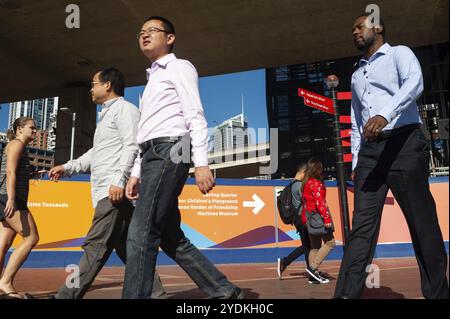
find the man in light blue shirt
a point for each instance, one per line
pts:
(389, 153)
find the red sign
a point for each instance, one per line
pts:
(346, 133)
(348, 157)
(345, 119)
(344, 95)
(316, 101)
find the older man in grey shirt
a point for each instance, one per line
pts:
(109, 161)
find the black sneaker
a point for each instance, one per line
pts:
(324, 275)
(315, 274)
(313, 281)
(281, 267)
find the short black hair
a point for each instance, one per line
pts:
(168, 26)
(301, 167)
(383, 33)
(113, 75)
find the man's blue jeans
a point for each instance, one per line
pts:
(156, 223)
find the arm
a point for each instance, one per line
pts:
(80, 165)
(127, 120)
(132, 188)
(411, 83)
(319, 195)
(186, 86)
(15, 149)
(355, 135)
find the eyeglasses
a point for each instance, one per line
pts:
(149, 32)
(93, 83)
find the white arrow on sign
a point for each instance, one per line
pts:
(257, 204)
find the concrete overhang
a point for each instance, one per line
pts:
(40, 56)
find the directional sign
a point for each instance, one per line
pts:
(316, 101)
(257, 203)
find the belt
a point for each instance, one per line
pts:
(389, 133)
(159, 140)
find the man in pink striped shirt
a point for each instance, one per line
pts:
(172, 123)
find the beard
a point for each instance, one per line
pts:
(365, 44)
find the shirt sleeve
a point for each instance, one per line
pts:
(319, 196)
(127, 119)
(411, 83)
(80, 165)
(136, 171)
(186, 85)
(357, 125)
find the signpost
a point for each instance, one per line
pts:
(316, 101)
(329, 106)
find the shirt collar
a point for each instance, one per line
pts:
(381, 51)
(160, 63)
(106, 105)
(110, 102)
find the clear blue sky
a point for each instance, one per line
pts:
(221, 98)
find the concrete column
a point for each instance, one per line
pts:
(78, 99)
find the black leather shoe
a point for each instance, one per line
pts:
(340, 297)
(238, 293)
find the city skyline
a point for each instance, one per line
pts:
(221, 97)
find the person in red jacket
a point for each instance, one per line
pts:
(314, 200)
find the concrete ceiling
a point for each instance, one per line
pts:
(39, 56)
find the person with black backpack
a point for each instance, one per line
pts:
(289, 205)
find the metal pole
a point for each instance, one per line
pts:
(74, 116)
(333, 82)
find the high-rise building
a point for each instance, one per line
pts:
(43, 111)
(40, 140)
(304, 132)
(3, 137)
(231, 134)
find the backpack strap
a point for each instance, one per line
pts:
(296, 203)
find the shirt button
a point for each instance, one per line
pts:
(370, 107)
(369, 92)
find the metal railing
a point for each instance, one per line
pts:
(439, 171)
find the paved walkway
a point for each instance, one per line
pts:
(399, 278)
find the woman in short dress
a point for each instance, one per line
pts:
(15, 218)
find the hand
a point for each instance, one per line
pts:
(56, 172)
(10, 208)
(373, 127)
(352, 176)
(115, 194)
(204, 179)
(132, 188)
(38, 174)
(328, 225)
